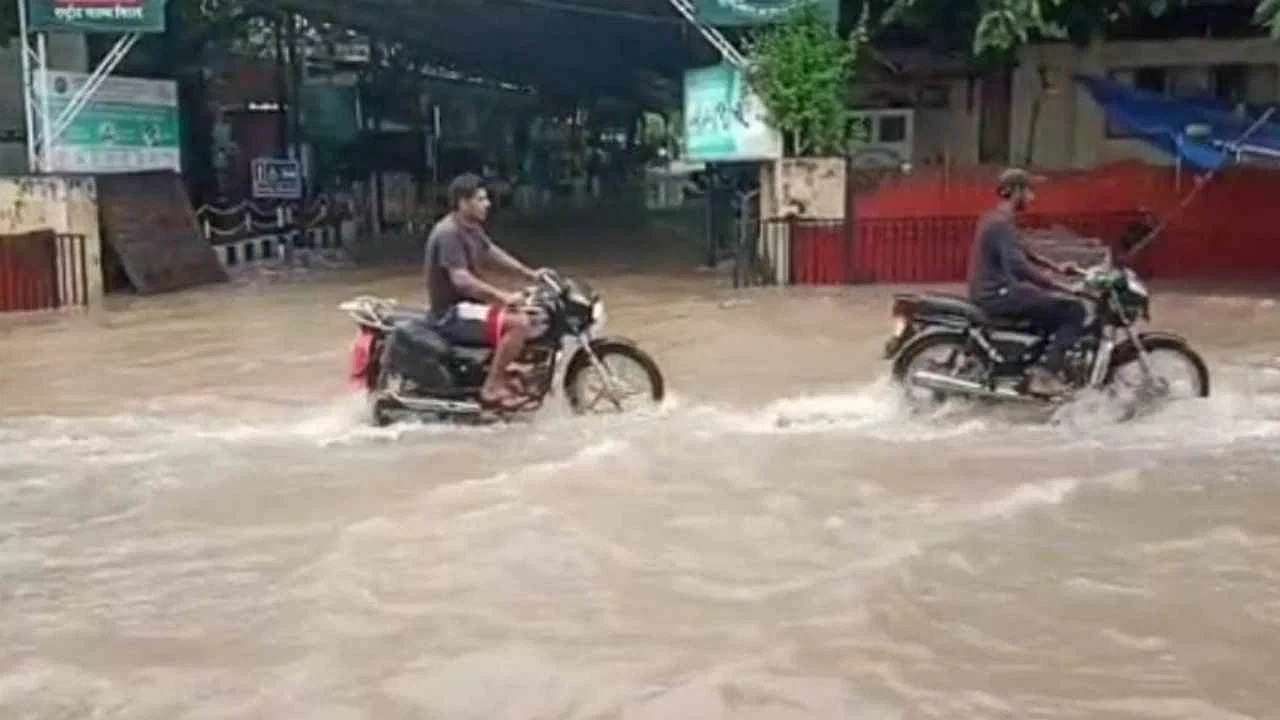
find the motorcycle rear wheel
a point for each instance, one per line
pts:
(916, 357)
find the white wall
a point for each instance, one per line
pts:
(66, 52)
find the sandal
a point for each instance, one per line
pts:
(503, 404)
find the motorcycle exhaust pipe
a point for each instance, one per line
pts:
(433, 405)
(956, 386)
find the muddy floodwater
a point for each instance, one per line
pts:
(196, 524)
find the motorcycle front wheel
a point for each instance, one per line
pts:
(624, 375)
(1164, 355)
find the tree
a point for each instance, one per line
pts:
(998, 27)
(802, 70)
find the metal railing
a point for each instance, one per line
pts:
(43, 271)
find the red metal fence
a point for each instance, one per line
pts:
(41, 271)
(919, 250)
(919, 228)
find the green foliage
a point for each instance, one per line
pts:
(994, 28)
(660, 133)
(1267, 14)
(803, 70)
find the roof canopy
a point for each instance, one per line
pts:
(581, 47)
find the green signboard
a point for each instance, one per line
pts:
(724, 121)
(757, 12)
(100, 16)
(128, 125)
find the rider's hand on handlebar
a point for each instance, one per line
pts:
(512, 300)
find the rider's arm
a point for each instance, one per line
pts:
(474, 287)
(503, 260)
(1041, 260)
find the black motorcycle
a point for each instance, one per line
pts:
(408, 369)
(946, 346)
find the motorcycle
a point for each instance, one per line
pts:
(946, 346)
(407, 369)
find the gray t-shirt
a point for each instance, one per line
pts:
(997, 262)
(451, 245)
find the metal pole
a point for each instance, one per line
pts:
(435, 147)
(96, 79)
(46, 142)
(1201, 183)
(26, 86)
(712, 35)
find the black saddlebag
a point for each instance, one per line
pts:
(418, 353)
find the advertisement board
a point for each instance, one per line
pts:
(128, 125)
(724, 121)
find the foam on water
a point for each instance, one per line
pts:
(1244, 407)
(129, 437)
(1239, 409)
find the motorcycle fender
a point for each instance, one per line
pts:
(363, 365)
(896, 342)
(580, 353)
(1127, 351)
(918, 338)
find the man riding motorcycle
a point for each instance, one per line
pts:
(465, 309)
(1004, 282)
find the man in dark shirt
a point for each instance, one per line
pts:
(1004, 282)
(465, 309)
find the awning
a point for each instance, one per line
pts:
(584, 47)
(1204, 133)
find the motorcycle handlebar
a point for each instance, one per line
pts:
(550, 278)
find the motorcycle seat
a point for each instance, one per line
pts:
(403, 315)
(414, 329)
(948, 304)
(416, 332)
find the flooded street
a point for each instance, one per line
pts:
(195, 524)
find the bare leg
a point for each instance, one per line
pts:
(508, 349)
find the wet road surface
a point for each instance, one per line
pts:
(195, 524)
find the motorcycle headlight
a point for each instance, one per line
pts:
(598, 315)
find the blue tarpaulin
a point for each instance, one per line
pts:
(1163, 123)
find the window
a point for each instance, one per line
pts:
(1230, 83)
(893, 129)
(1151, 79)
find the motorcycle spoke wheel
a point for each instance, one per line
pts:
(945, 358)
(627, 386)
(1174, 376)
